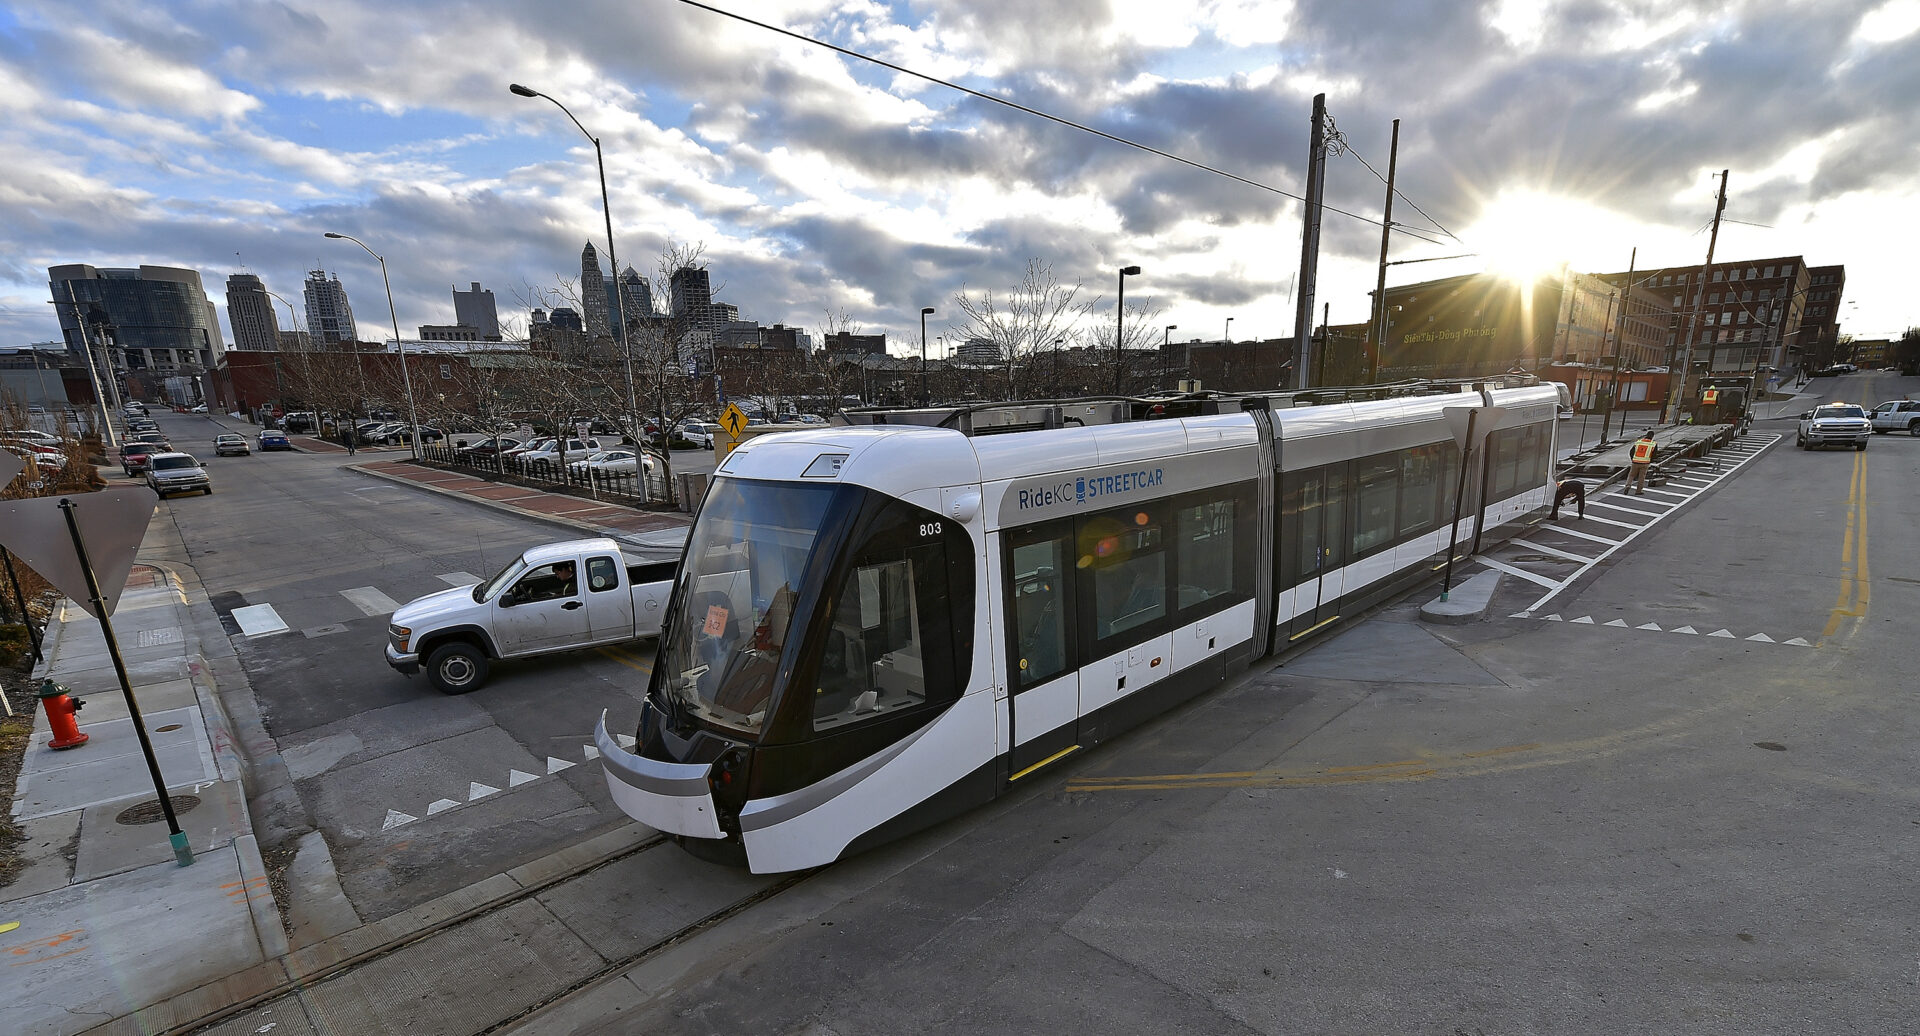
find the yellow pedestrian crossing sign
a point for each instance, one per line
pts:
(733, 420)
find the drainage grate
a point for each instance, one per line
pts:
(149, 812)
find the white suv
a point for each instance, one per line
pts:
(1895, 415)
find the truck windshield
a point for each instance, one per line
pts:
(744, 567)
(485, 591)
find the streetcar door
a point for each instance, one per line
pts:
(1043, 671)
(1322, 516)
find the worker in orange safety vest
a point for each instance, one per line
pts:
(1642, 460)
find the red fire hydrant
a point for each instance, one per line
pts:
(61, 705)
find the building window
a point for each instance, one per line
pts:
(1676, 302)
(1743, 317)
(446, 371)
(1769, 271)
(1786, 269)
(1746, 296)
(1719, 275)
(1751, 272)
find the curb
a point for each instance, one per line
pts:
(291, 970)
(1466, 603)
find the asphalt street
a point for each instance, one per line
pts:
(492, 779)
(1525, 825)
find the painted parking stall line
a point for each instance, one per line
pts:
(1543, 557)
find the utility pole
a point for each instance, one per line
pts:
(1619, 340)
(1378, 329)
(1310, 245)
(1678, 393)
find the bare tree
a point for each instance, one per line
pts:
(1037, 314)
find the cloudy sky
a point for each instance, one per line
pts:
(228, 135)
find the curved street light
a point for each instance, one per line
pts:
(619, 282)
(413, 420)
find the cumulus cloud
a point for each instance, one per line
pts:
(180, 134)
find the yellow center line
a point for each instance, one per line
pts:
(624, 659)
(1856, 589)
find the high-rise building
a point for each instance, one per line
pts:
(153, 318)
(475, 309)
(329, 317)
(593, 294)
(690, 299)
(250, 314)
(639, 295)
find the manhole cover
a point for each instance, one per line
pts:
(149, 812)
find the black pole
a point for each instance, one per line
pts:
(182, 852)
(1459, 492)
(26, 619)
(1377, 328)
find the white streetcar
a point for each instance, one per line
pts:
(880, 624)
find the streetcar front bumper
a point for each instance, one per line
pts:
(671, 797)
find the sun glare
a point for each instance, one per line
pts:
(1527, 235)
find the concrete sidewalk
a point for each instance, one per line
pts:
(108, 922)
(649, 532)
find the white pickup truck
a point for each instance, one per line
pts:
(555, 597)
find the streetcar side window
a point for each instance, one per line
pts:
(1125, 552)
(1419, 489)
(1378, 480)
(1213, 541)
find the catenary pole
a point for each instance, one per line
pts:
(1677, 392)
(1310, 246)
(1379, 324)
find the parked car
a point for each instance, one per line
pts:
(386, 433)
(1896, 415)
(44, 457)
(142, 425)
(699, 433)
(228, 443)
(530, 446)
(300, 422)
(486, 449)
(197, 408)
(620, 460)
(273, 440)
(534, 606)
(169, 473)
(135, 454)
(1830, 424)
(428, 433)
(550, 455)
(33, 435)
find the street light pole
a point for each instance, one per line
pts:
(1119, 328)
(1166, 337)
(406, 379)
(619, 283)
(925, 399)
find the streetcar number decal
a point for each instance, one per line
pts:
(929, 528)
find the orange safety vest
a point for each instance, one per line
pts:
(1643, 451)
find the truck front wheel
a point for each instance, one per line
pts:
(457, 667)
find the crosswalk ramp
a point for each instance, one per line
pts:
(1553, 555)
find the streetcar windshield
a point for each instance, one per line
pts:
(745, 562)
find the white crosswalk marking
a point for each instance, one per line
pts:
(459, 578)
(476, 790)
(440, 806)
(556, 765)
(516, 778)
(370, 600)
(258, 620)
(395, 818)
